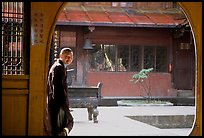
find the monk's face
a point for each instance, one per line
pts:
(67, 57)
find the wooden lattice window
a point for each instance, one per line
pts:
(161, 59)
(123, 58)
(135, 58)
(14, 40)
(149, 55)
(128, 58)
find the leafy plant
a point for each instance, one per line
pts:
(142, 78)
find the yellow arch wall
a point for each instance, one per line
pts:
(193, 11)
(38, 67)
(39, 56)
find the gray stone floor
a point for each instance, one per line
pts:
(112, 121)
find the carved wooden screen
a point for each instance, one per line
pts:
(13, 39)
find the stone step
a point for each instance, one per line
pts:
(185, 93)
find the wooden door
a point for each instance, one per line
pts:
(183, 68)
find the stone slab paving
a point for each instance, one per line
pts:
(112, 121)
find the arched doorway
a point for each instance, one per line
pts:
(31, 97)
(195, 67)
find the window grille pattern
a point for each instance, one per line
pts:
(161, 58)
(123, 58)
(148, 57)
(109, 57)
(103, 58)
(135, 62)
(129, 58)
(12, 38)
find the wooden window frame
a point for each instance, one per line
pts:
(11, 17)
(141, 59)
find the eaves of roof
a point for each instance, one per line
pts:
(124, 17)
